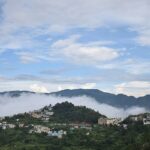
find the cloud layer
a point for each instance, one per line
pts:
(25, 103)
(80, 13)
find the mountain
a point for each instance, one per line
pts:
(15, 93)
(119, 100)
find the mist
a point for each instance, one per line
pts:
(29, 102)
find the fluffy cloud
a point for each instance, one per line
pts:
(89, 86)
(39, 89)
(83, 53)
(137, 88)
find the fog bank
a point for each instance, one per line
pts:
(25, 103)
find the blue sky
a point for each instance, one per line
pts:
(53, 45)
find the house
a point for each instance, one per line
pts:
(36, 115)
(109, 121)
(21, 125)
(136, 118)
(39, 129)
(85, 126)
(45, 118)
(17, 120)
(125, 126)
(102, 121)
(49, 113)
(11, 126)
(146, 120)
(113, 121)
(1, 118)
(4, 125)
(58, 134)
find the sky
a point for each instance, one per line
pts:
(51, 45)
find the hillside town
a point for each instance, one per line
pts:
(46, 113)
(43, 114)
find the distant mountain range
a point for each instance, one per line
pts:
(119, 100)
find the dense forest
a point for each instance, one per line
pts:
(67, 112)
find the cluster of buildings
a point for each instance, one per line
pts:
(5, 125)
(43, 129)
(2, 118)
(39, 129)
(43, 114)
(59, 134)
(145, 118)
(80, 126)
(136, 118)
(109, 121)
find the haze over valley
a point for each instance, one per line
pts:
(15, 102)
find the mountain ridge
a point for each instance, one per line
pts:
(119, 100)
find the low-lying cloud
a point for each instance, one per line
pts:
(25, 103)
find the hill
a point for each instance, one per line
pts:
(67, 112)
(62, 113)
(134, 137)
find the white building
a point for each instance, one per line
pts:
(146, 121)
(11, 126)
(4, 125)
(58, 134)
(109, 121)
(39, 129)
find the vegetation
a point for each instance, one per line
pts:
(67, 112)
(135, 137)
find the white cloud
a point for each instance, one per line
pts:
(38, 88)
(47, 16)
(26, 103)
(132, 66)
(31, 102)
(43, 85)
(144, 37)
(137, 88)
(27, 57)
(79, 13)
(89, 86)
(83, 53)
